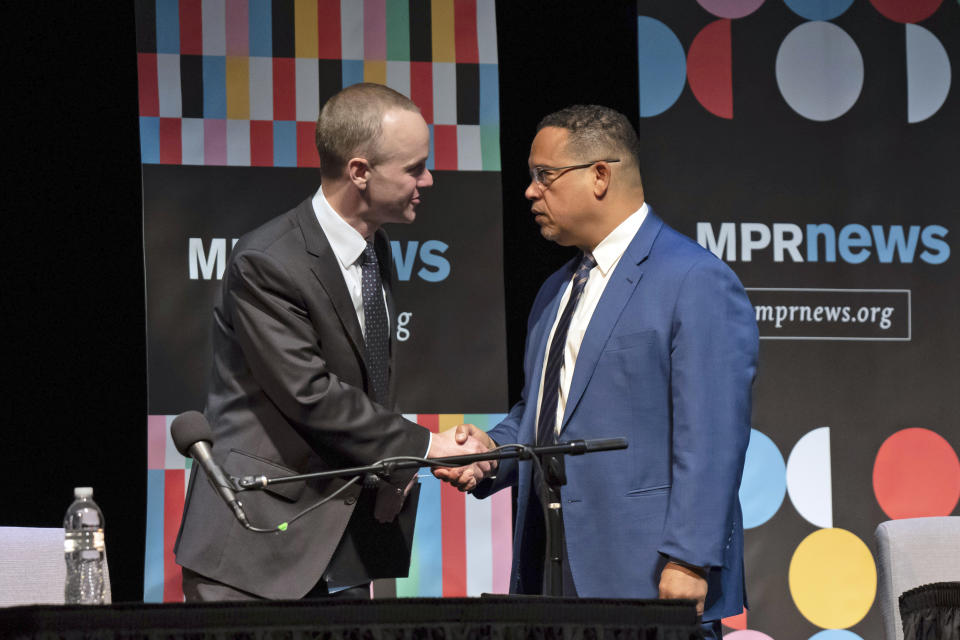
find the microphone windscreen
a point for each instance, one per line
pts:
(189, 428)
(606, 444)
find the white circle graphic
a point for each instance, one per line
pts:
(809, 481)
(928, 74)
(819, 71)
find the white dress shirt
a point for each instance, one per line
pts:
(348, 245)
(607, 254)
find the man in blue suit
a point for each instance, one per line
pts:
(644, 334)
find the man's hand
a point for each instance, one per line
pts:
(467, 439)
(678, 581)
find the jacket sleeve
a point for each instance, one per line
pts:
(284, 353)
(713, 361)
(504, 433)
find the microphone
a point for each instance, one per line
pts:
(579, 447)
(192, 436)
(601, 444)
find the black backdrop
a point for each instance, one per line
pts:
(74, 402)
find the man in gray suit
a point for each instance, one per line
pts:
(302, 355)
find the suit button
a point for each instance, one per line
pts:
(349, 501)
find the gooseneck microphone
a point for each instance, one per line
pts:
(192, 436)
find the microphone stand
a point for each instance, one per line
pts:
(383, 469)
(549, 459)
(552, 476)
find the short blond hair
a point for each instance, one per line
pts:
(350, 124)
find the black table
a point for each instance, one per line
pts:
(487, 618)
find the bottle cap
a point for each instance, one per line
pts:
(83, 492)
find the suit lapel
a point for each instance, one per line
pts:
(382, 246)
(327, 270)
(623, 281)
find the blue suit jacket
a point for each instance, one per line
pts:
(667, 361)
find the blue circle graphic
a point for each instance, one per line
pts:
(835, 634)
(764, 480)
(663, 66)
(818, 9)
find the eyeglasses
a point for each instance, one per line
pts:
(543, 176)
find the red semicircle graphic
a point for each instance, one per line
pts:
(710, 69)
(738, 622)
(906, 11)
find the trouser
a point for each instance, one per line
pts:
(536, 539)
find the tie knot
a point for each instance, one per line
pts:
(586, 264)
(369, 254)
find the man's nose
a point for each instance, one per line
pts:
(532, 192)
(426, 180)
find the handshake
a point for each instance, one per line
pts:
(463, 440)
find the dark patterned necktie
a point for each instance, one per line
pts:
(547, 422)
(376, 332)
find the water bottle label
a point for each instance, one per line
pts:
(83, 540)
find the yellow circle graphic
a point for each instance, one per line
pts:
(833, 579)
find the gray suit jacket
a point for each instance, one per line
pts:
(288, 393)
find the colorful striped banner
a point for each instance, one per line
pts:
(167, 476)
(256, 60)
(240, 83)
(461, 545)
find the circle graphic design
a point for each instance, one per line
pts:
(809, 481)
(819, 71)
(662, 66)
(818, 9)
(835, 634)
(764, 480)
(738, 621)
(906, 10)
(916, 474)
(747, 634)
(832, 578)
(928, 74)
(730, 9)
(710, 69)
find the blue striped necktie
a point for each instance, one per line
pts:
(376, 335)
(546, 423)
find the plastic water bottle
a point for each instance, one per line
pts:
(84, 551)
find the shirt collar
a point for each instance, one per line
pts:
(611, 248)
(347, 243)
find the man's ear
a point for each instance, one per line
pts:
(601, 179)
(359, 171)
